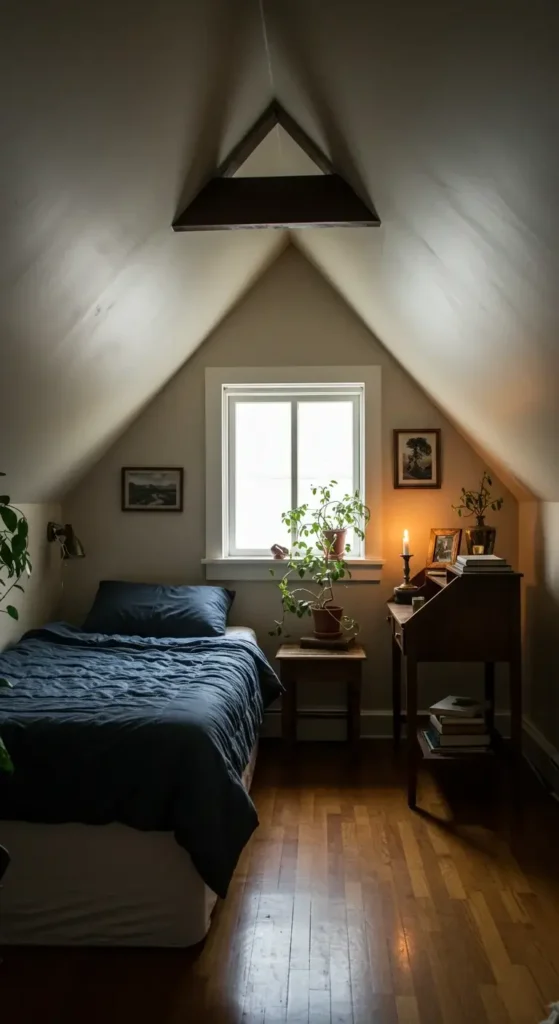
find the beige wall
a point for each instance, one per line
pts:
(539, 561)
(290, 317)
(42, 594)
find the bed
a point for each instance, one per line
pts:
(129, 805)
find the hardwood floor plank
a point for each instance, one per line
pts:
(413, 860)
(495, 1010)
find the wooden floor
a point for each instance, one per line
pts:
(346, 907)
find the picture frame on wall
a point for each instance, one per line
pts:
(417, 458)
(152, 489)
(444, 547)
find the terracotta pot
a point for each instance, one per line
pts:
(481, 536)
(327, 620)
(335, 543)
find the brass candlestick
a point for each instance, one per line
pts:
(405, 591)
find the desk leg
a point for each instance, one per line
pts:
(289, 704)
(354, 709)
(411, 719)
(515, 677)
(490, 696)
(396, 692)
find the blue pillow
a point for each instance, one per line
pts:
(148, 609)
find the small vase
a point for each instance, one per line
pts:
(481, 536)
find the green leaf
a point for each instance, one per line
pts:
(9, 516)
(6, 763)
(6, 556)
(12, 612)
(5, 682)
(4, 499)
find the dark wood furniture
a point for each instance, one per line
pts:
(299, 664)
(474, 618)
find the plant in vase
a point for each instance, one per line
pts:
(14, 562)
(319, 547)
(476, 503)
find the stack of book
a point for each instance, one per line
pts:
(456, 726)
(469, 564)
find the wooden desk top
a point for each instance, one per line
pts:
(401, 612)
(294, 652)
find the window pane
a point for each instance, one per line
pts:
(325, 450)
(262, 474)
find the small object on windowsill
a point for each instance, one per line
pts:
(279, 551)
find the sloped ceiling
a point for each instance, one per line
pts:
(113, 113)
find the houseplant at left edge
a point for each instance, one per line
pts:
(14, 562)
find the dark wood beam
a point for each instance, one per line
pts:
(282, 202)
(302, 140)
(241, 152)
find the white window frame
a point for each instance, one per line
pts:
(225, 383)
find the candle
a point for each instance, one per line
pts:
(406, 543)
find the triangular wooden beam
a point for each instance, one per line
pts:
(296, 201)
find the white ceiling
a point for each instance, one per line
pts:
(113, 113)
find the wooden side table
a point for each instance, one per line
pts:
(298, 664)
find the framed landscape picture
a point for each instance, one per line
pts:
(444, 547)
(417, 458)
(152, 489)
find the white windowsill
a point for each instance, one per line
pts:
(363, 570)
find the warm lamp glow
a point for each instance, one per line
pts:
(406, 543)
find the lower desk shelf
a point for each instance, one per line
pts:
(451, 755)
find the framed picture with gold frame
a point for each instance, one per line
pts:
(444, 547)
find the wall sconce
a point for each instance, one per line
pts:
(70, 545)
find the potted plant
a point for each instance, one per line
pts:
(319, 544)
(14, 561)
(476, 503)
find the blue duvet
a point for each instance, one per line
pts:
(151, 733)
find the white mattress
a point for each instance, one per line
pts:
(95, 885)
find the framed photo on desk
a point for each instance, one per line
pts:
(444, 547)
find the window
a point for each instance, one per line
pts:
(279, 441)
(271, 434)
